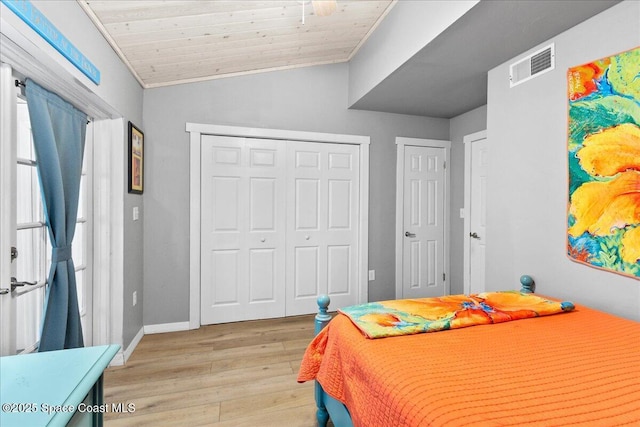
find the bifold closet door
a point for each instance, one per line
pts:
(322, 225)
(243, 229)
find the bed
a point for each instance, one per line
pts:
(581, 367)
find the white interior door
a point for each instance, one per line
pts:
(478, 216)
(424, 223)
(323, 228)
(243, 229)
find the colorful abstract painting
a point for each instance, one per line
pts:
(604, 163)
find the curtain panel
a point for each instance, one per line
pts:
(59, 131)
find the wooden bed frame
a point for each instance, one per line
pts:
(328, 407)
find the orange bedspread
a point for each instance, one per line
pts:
(578, 368)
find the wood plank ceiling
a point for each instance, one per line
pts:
(172, 42)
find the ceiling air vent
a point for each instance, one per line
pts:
(532, 66)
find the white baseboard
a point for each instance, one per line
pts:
(118, 359)
(134, 343)
(166, 327)
(122, 356)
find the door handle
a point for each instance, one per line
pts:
(15, 284)
(408, 234)
(474, 235)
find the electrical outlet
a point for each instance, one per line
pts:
(372, 275)
(135, 298)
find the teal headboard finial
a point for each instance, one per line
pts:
(323, 317)
(528, 285)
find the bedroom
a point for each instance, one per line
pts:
(526, 194)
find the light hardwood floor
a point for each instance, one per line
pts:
(236, 374)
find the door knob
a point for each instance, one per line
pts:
(15, 284)
(408, 234)
(474, 235)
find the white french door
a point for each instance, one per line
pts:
(8, 299)
(25, 248)
(423, 248)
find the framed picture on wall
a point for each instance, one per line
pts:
(136, 159)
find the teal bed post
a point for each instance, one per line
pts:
(322, 319)
(528, 285)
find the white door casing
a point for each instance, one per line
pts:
(422, 226)
(243, 226)
(198, 131)
(475, 235)
(323, 227)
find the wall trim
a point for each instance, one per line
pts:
(133, 344)
(467, 140)
(123, 355)
(401, 143)
(197, 130)
(265, 133)
(161, 328)
(108, 205)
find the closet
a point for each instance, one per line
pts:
(280, 223)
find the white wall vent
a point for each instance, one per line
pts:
(532, 66)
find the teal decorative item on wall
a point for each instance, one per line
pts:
(604, 163)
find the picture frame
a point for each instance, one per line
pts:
(136, 160)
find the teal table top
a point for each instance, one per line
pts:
(45, 389)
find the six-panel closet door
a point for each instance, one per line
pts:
(279, 223)
(322, 225)
(243, 229)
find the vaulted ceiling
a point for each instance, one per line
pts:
(177, 41)
(170, 42)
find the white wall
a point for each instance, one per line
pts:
(409, 26)
(527, 183)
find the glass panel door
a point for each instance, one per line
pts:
(22, 307)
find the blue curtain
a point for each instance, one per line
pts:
(58, 131)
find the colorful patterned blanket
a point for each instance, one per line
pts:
(414, 316)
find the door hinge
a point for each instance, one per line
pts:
(444, 277)
(445, 164)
